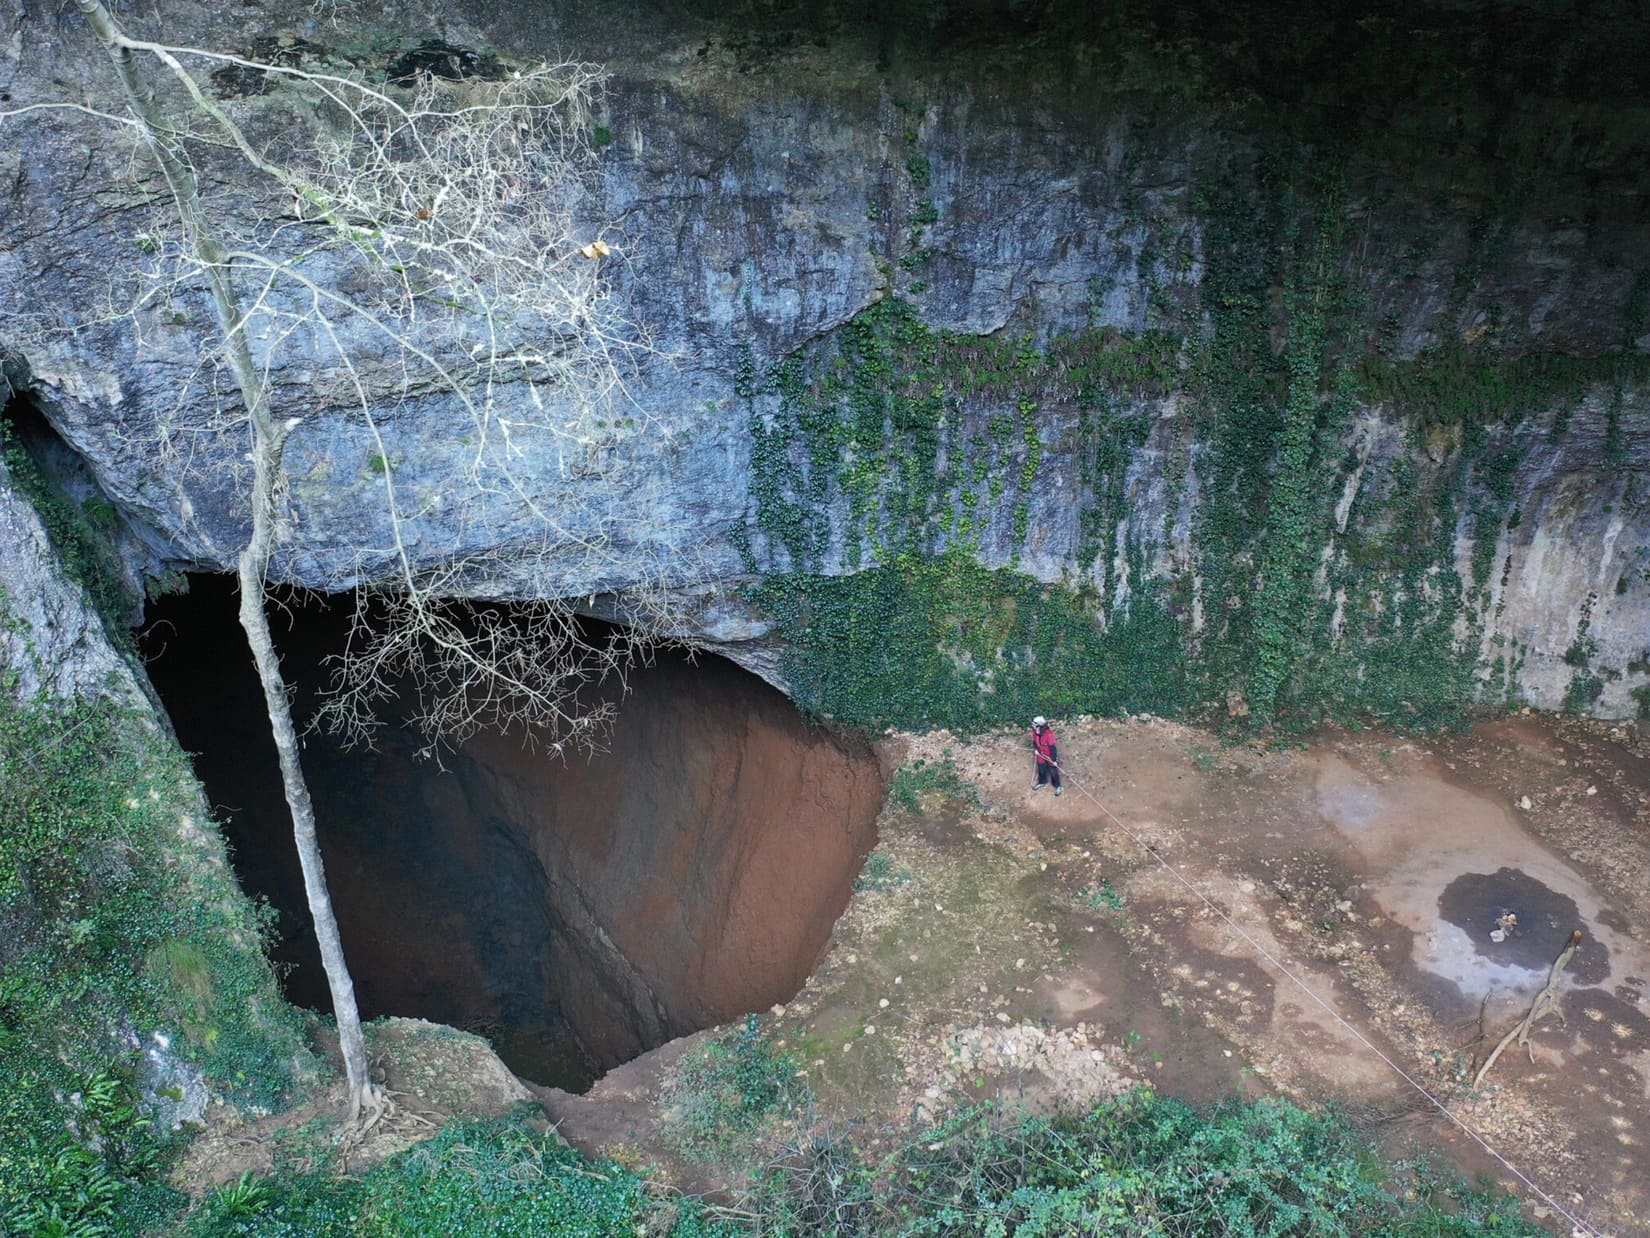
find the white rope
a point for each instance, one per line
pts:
(1582, 1227)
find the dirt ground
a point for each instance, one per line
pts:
(430, 1073)
(1033, 949)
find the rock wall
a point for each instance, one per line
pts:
(52, 642)
(1444, 233)
(104, 837)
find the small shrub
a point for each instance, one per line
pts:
(916, 778)
(1582, 693)
(1100, 897)
(880, 874)
(246, 1196)
(820, 1185)
(725, 1089)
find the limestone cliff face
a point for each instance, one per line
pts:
(1463, 274)
(52, 642)
(56, 656)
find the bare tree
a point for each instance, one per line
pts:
(440, 221)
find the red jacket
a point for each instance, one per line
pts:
(1043, 740)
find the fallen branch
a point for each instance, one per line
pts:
(1482, 1035)
(1545, 1001)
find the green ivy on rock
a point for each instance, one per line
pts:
(918, 435)
(1324, 576)
(944, 641)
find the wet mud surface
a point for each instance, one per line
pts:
(1515, 921)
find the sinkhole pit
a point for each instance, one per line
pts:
(577, 913)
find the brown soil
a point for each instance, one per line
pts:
(697, 866)
(431, 1075)
(1031, 950)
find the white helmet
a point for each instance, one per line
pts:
(1039, 720)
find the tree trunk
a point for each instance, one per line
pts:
(255, 623)
(268, 440)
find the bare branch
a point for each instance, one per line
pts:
(403, 251)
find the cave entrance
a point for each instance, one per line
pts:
(576, 913)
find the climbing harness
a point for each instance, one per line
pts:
(1583, 1229)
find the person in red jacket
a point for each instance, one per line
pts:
(1048, 754)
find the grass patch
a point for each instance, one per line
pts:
(880, 874)
(497, 1177)
(1141, 1165)
(115, 935)
(918, 778)
(726, 1089)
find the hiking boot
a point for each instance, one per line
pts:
(1059, 790)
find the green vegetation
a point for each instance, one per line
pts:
(1100, 897)
(880, 874)
(946, 642)
(494, 1178)
(918, 431)
(1309, 616)
(1295, 502)
(82, 536)
(919, 434)
(891, 460)
(1150, 1165)
(728, 1087)
(1144, 1164)
(113, 929)
(89, 1176)
(1141, 1165)
(1458, 385)
(915, 779)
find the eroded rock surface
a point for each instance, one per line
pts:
(765, 191)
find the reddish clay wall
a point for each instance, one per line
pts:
(714, 845)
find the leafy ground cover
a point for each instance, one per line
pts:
(1143, 1165)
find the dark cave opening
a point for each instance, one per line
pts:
(576, 913)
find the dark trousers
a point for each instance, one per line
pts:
(1047, 770)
